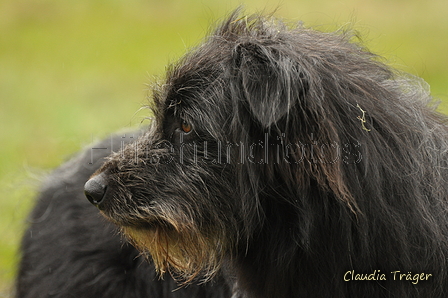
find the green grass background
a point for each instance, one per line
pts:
(73, 71)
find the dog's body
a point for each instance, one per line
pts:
(288, 160)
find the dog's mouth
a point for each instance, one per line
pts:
(147, 224)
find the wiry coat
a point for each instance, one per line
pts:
(295, 162)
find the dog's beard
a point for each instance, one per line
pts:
(180, 249)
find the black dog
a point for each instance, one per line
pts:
(291, 162)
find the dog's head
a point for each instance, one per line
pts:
(258, 127)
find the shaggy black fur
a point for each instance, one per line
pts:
(289, 160)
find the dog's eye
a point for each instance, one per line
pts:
(186, 127)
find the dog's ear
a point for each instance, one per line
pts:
(268, 81)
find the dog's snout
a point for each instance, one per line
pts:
(95, 189)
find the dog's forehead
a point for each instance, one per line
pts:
(203, 74)
(196, 82)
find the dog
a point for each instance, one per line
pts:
(281, 162)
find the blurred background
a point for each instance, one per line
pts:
(74, 71)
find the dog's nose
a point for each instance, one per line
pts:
(95, 188)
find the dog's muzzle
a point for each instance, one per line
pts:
(95, 189)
